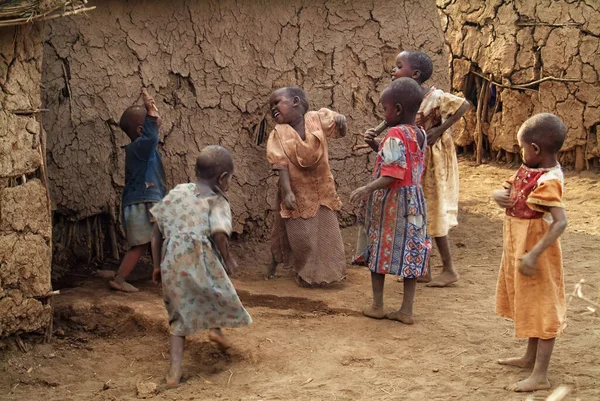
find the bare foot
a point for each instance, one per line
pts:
(444, 279)
(217, 337)
(122, 286)
(531, 384)
(173, 376)
(374, 312)
(400, 317)
(518, 362)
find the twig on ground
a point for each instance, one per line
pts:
(230, 376)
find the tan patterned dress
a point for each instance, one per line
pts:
(440, 180)
(308, 238)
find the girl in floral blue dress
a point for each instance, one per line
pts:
(396, 217)
(191, 256)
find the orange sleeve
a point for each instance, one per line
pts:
(327, 118)
(275, 154)
(548, 194)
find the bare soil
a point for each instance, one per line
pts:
(314, 344)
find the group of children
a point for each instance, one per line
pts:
(413, 198)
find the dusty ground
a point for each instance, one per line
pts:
(314, 344)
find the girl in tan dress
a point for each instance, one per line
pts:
(306, 234)
(530, 288)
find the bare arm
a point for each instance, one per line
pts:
(558, 226)
(435, 133)
(289, 199)
(156, 245)
(222, 241)
(360, 193)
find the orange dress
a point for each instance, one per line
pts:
(536, 304)
(308, 238)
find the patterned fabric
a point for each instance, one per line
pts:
(137, 222)
(312, 247)
(395, 221)
(307, 162)
(197, 292)
(536, 304)
(440, 180)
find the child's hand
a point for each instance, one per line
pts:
(433, 134)
(149, 103)
(359, 194)
(340, 123)
(527, 265)
(502, 198)
(231, 266)
(289, 201)
(156, 277)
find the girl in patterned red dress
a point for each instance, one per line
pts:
(396, 222)
(531, 290)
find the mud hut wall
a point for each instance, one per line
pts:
(519, 42)
(211, 66)
(25, 227)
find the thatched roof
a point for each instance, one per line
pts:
(17, 12)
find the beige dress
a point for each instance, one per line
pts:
(440, 180)
(308, 238)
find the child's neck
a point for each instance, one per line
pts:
(406, 121)
(206, 187)
(298, 125)
(548, 161)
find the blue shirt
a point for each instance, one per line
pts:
(144, 172)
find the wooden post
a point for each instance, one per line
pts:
(579, 158)
(112, 233)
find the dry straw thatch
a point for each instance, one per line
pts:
(19, 12)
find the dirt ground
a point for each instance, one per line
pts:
(314, 344)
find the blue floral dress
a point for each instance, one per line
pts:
(197, 292)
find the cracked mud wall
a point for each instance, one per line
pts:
(211, 66)
(25, 227)
(519, 42)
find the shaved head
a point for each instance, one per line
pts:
(132, 118)
(213, 161)
(405, 91)
(546, 130)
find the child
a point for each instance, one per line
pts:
(396, 218)
(530, 287)
(306, 233)
(438, 112)
(144, 184)
(191, 256)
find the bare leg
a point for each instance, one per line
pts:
(376, 310)
(525, 362)
(174, 375)
(448, 275)
(405, 314)
(272, 269)
(427, 277)
(539, 377)
(216, 336)
(128, 263)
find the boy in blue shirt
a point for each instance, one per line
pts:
(144, 184)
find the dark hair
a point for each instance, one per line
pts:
(546, 130)
(405, 91)
(213, 161)
(419, 60)
(293, 91)
(132, 118)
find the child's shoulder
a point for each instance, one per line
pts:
(555, 173)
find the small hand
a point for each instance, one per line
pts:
(149, 103)
(502, 198)
(156, 277)
(527, 265)
(289, 201)
(340, 123)
(433, 134)
(370, 136)
(359, 194)
(231, 266)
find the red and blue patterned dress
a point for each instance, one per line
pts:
(396, 217)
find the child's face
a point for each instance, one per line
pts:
(530, 152)
(284, 108)
(392, 113)
(403, 69)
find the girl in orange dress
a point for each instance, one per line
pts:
(530, 287)
(306, 234)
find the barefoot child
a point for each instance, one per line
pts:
(438, 112)
(144, 184)
(191, 256)
(530, 287)
(396, 219)
(306, 233)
